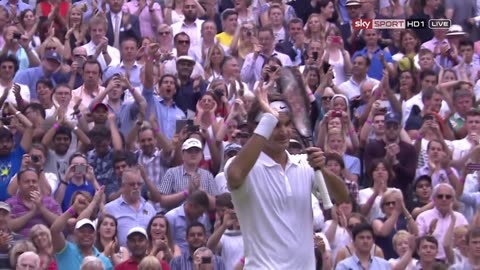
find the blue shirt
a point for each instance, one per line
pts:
(167, 115)
(353, 263)
(178, 225)
(71, 258)
(128, 217)
(30, 76)
(376, 67)
(72, 188)
(134, 73)
(22, 58)
(9, 166)
(21, 6)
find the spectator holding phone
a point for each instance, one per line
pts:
(336, 55)
(79, 176)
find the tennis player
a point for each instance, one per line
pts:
(271, 190)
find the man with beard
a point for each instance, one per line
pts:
(70, 255)
(401, 155)
(130, 210)
(190, 90)
(191, 24)
(11, 153)
(137, 244)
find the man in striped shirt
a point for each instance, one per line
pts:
(182, 180)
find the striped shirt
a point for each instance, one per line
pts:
(155, 166)
(20, 209)
(176, 180)
(185, 262)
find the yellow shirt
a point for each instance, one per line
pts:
(224, 39)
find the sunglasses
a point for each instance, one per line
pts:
(184, 42)
(327, 98)
(351, 226)
(50, 48)
(392, 203)
(163, 33)
(444, 196)
(79, 55)
(391, 126)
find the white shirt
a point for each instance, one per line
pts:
(376, 210)
(251, 71)
(194, 31)
(231, 248)
(417, 100)
(352, 89)
(112, 52)
(341, 239)
(461, 148)
(274, 206)
(24, 92)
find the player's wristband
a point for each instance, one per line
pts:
(266, 125)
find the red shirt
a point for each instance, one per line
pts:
(132, 264)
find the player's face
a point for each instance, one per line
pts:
(282, 133)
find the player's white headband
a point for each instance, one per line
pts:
(279, 106)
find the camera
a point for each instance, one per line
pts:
(17, 36)
(273, 68)
(206, 260)
(218, 92)
(35, 158)
(249, 33)
(337, 114)
(81, 168)
(193, 128)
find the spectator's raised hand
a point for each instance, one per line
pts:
(26, 161)
(432, 226)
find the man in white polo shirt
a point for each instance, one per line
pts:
(271, 191)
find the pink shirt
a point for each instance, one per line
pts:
(147, 26)
(424, 220)
(433, 43)
(86, 98)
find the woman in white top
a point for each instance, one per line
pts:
(313, 29)
(245, 11)
(336, 55)
(409, 47)
(336, 230)
(214, 59)
(381, 175)
(30, 24)
(402, 243)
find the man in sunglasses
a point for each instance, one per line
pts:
(439, 218)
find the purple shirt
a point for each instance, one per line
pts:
(20, 209)
(147, 25)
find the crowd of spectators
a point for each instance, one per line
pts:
(117, 119)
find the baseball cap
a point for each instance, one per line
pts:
(53, 55)
(192, 142)
(139, 230)
(296, 143)
(185, 58)
(84, 222)
(5, 206)
(232, 147)
(424, 177)
(99, 104)
(351, 3)
(392, 117)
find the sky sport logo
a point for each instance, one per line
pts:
(386, 24)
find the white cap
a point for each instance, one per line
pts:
(192, 142)
(185, 58)
(84, 222)
(137, 230)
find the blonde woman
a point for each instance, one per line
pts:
(18, 249)
(42, 240)
(337, 56)
(150, 263)
(213, 61)
(336, 142)
(313, 31)
(76, 31)
(244, 41)
(92, 263)
(404, 245)
(396, 218)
